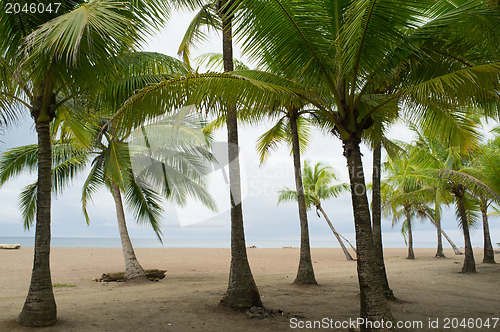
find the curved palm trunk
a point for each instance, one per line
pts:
(305, 273)
(133, 270)
(241, 291)
(411, 254)
(40, 306)
(373, 304)
(489, 255)
(377, 219)
(452, 244)
(469, 263)
(455, 248)
(344, 249)
(439, 251)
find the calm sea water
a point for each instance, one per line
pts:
(194, 243)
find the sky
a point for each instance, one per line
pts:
(266, 223)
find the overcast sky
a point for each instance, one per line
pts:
(265, 222)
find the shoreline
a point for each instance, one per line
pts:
(196, 279)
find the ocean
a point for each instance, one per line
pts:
(391, 240)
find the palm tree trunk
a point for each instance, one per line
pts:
(133, 270)
(377, 219)
(344, 249)
(242, 291)
(305, 273)
(439, 251)
(489, 255)
(411, 254)
(40, 306)
(469, 263)
(373, 304)
(434, 222)
(455, 248)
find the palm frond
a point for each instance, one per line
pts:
(27, 203)
(145, 203)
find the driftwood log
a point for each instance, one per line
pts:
(120, 276)
(10, 246)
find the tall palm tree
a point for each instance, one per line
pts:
(482, 180)
(292, 127)
(47, 59)
(441, 160)
(241, 291)
(180, 154)
(317, 187)
(172, 167)
(426, 212)
(340, 65)
(379, 141)
(405, 188)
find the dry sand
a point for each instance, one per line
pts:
(187, 298)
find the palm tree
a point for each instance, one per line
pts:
(182, 150)
(345, 59)
(481, 179)
(485, 169)
(47, 59)
(404, 188)
(441, 160)
(292, 127)
(425, 211)
(242, 292)
(340, 65)
(379, 141)
(317, 187)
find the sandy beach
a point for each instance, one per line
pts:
(187, 298)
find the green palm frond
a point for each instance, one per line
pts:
(145, 204)
(287, 195)
(17, 160)
(214, 62)
(472, 212)
(207, 18)
(270, 140)
(27, 203)
(135, 71)
(216, 124)
(94, 181)
(116, 160)
(249, 89)
(100, 28)
(317, 185)
(472, 184)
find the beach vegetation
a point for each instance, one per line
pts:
(343, 66)
(318, 187)
(63, 285)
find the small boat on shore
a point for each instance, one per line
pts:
(10, 246)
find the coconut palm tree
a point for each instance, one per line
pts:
(242, 292)
(482, 180)
(317, 187)
(292, 127)
(404, 192)
(127, 172)
(48, 58)
(441, 160)
(340, 65)
(425, 212)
